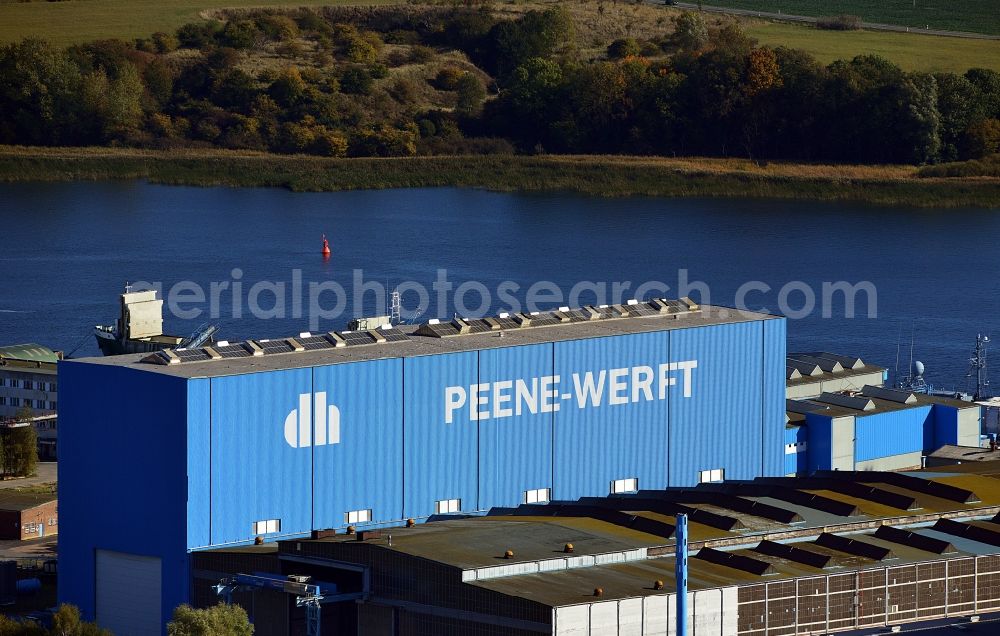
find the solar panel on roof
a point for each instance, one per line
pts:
(507, 323)
(275, 346)
(442, 329)
(394, 335)
(355, 338)
(315, 343)
(642, 309)
(191, 355)
(232, 351)
(578, 315)
(543, 319)
(478, 326)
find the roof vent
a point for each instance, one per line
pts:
(568, 548)
(598, 591)
(509, 554)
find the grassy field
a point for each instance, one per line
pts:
(978, 16)
(910, 51)
(75, 21)
(595, 175)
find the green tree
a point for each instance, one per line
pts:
(535, 34)
(38, 94)
(124, 115)
(10, 627)
(690, 32)
(20, 446)
(623, 47)
(289, 88)
(471, 94)
(219, 620)
(66, 621)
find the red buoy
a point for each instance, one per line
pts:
(326, 246)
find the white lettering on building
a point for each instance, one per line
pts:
(592, 389)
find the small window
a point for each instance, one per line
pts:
(3, 401)
(358, 516)
(619, 486)
(539, 495)
(710, 476)
(52, 387)
(267, 526)
(28, 385)
(53, 406)
(40, 404)
(448, 506)
(3, 381)
(15, 401)
(15, 383)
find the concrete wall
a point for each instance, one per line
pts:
(710, 613)
(831, 384)
(893, 462)
(968, 426)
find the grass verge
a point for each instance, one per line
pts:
(911, 51)
(592, 175)
(77, 21)
(978, 16)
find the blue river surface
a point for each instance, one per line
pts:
(67, 249)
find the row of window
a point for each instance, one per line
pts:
(28, 385)
(452, 506)
(41, 405)
(31, 528)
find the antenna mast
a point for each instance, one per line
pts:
(977, 366)
(395, 307)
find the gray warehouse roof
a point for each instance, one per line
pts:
(436, 338)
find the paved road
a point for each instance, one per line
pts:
(44, 548)
(874, 26)
(45, 474)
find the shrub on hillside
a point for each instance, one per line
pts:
(421, 54)
(624, 47)
(447, 78)
(356, 80)
(278, 27)
(197, 35)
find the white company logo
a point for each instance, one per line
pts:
(300, 428)
(508, 398)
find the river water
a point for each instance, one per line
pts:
(67, 249)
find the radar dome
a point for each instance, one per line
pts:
(918, 367)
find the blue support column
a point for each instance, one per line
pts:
(681, 573)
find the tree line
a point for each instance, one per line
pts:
(346, 87)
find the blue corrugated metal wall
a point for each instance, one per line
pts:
(615, 431)
(364, 470)
(819, 433)
(887, 434)
(256, 475)
(796, 462)
(515, 448)
(720, 425)
(199, 462)
(773, 387)
(439, 459)
(121, 476)
(943, 428)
